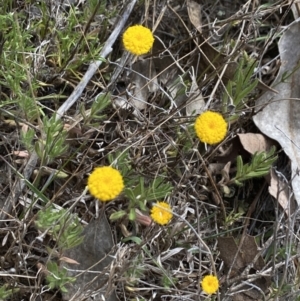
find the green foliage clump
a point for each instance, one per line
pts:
(259, 166)
(239, 87)
(6, 293)
(66, 230)
(136, 190)
(53, 144)
(57, 277)
(64, 227)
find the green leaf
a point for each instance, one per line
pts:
(159, 189)
(132, 214)
(246, 91)
(57, 277)
(239, 163)
(142, 206)
(241, 85)
(259, 166)
(100, 103)
(238, 183)
(128, 192)
(135, 239)
(117, 215)
(6, 292)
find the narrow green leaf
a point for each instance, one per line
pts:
(135, 239)
(117, 215)
(132, 214)
(238, 183)
(242, 94)
(239, 164)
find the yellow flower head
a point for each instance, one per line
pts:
(105, 183)
(210, 127)
(160, 215)
(210, 284)
(138, 39)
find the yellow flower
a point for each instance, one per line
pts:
(210, 284)
(161, 213)
(210, 127)
(138, 39)
(105, 183)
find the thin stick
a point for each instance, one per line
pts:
(106, 50)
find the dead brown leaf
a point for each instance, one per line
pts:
(280, 191)
(237, 258)
(68, 260)
(22, 154)
(278, 115)
(253, 294)
(254, 143)
(228, 250)
(194, 11)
